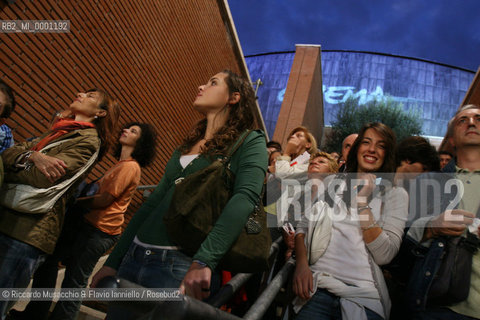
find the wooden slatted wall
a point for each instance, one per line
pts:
(151, 55)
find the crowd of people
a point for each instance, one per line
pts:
(371, 227)
(363, 244)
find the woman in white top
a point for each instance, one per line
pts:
(293, 163)
(337, 274)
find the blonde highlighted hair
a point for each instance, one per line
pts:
(332, 163)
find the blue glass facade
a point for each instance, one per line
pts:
(432, 89)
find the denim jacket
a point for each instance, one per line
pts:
(426, 255)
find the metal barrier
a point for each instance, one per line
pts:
(192, 309)
(189, 308)
(148, 186)
(258, 309)
(146, 189)
(228, 290)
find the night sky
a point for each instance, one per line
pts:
(444, 31)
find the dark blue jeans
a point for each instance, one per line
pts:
(18, 262)
(88, 247)
(152, 268)
(79, 253)
(324, 305)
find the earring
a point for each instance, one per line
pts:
(96, 117)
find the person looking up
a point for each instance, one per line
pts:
(93, 224)
(296, 155)
(145, 254)
(27, 237)
(440, 220)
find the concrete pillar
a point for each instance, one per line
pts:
(473, 93)
(303, 100)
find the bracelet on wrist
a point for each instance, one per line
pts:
(361, 208)
(22, 161)
(201, 263)
(373, 225)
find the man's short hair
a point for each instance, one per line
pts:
(440, 152)
(274, 144)
(465, 107)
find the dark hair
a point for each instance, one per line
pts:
(418, 149)
(240, 118)
(388, 165)
(274, 144)
(10, 105)
(271, 155)
(387, 135)
(445, 152)
(106, 126)
(144, 151)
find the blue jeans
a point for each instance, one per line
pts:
(18, 262)
(80, 254)
(325, 305)
(89, 246)
(151, 268)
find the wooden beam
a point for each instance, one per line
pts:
(303, 101)
(473, 93)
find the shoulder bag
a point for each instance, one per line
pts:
(451, 282)
(28, 199)
(440, 274)
(197, 203)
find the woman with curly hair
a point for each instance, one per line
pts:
(145, 254)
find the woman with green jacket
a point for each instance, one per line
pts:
(145, 254)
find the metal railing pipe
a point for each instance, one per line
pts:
(138, 306)
(228, 290)
(189, 308)
(148, 186)
(258, 309)
(184, 308)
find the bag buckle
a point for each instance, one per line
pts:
(177, 181)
